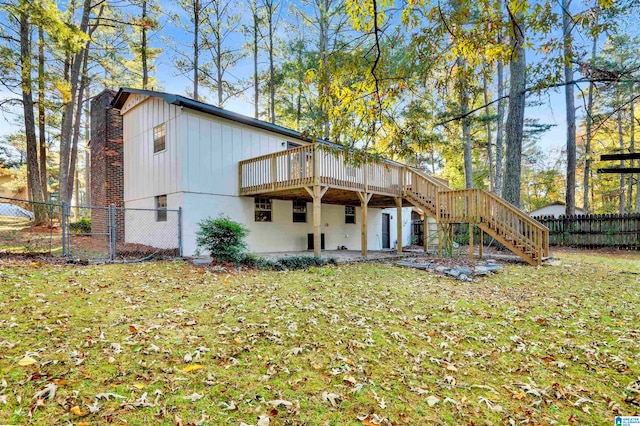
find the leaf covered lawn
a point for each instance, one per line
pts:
(169, 343)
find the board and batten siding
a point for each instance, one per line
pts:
(147, 174)
(214, 146)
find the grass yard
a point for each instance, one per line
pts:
(169, 343)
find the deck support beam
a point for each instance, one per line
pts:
(470, 241)
(317, 192)
(364, 203)
(440, 236)
(481, 242)
(399, 223)
(425, 232)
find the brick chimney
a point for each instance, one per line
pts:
(107, 157)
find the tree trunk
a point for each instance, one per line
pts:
(272, 86)
(588, 137)
(500, 130)
(487, 99)
(218, 58)
(87, 152)
(33, 174)
(324, 80)
(256, 87)
(515, 118)
(632, 149)
(42, 139)
(143, 47)
(466, 125)
(621, 142)
(66, 132)
(196, 46)
(569, 95)
(76, 125)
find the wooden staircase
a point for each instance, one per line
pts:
(506, 223)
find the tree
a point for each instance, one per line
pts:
(567, 26)
(220, 22)
(515, 114)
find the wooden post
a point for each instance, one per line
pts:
(274, 174)
(364, 202)
(440, 236)
(481, 243)
(399, 222)
(425, 232)
(317, 192)
(470, 241)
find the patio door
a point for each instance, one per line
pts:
(386, 235)
(300, 165)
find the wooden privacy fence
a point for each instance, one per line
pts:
(590, 230)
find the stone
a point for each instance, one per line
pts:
(464, 277)
(481, 270)
(453, 272)
(464, 270)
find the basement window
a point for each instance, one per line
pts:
(161, 208)
(299, 211)
(263, 209)
(349, 214)
(159, 137)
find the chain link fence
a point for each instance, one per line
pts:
(88, 233)
(30, 227)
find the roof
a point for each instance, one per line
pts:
(123, 94)
(555, 203)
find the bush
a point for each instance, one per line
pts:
(285, 263)
(83, 226)
(223, 238)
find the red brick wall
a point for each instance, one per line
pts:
(107, 162)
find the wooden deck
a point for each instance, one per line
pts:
(320, 173)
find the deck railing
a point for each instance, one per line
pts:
(321, 164)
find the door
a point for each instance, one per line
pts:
(299, 165)
(386, 236)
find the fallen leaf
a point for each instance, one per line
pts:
(194, 397)
(331, 398)
(49, 391)
(432, 400)
(278, 402)
(77, 411)
(193, 367)
(26, 361)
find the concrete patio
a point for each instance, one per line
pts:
(343, 256)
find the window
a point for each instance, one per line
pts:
(159, 137)
(299, 211)
(349, 214)
(263, 208)
(161, 206)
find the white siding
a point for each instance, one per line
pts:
(147, 174)
(553, 210)
(213, 147)
(141, 225)
(281, 234)
(393, 226)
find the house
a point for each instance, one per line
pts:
(155, 150)
(152, 149)
(555, 209)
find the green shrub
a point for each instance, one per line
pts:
(223, 238)
(83, 226)
(289, 263)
